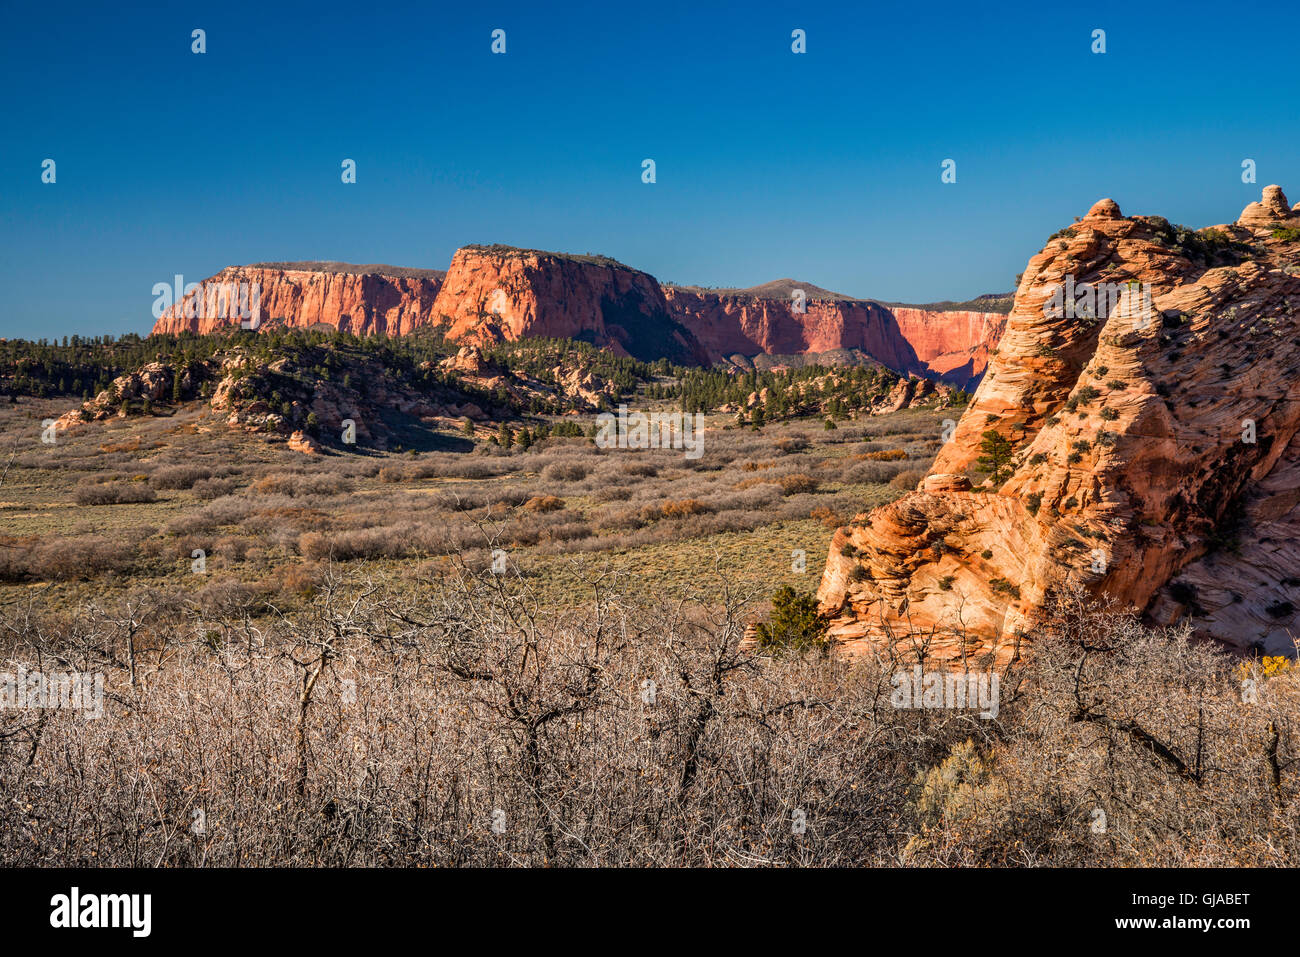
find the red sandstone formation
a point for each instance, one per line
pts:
(499, 293)
(953, 346)
(1155, 454)
(364, 300)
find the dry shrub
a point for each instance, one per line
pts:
(564, 472)
(827, 516)
(302, 580)
(352, 544)
(64, 559)
(471, 469)
(178, 476)
(294, 484)
(208, 489)
(797, 483)
(883, 455)
(231, 547)
(639, 469)
(469, 498)
(470, 696)
(674, 509)
(873, 473)
(313, 545)
(908, 479)
(115, 493)
(544, 503)
(222, 511)
(570, 531)
(791, 444)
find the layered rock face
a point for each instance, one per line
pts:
(953, 346)
(364, 300)
(728, 325)
(1151, 418)
(500, 293)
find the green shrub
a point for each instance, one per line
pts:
(795, 624)
(1005, 587)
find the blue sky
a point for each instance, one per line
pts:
(823, 166)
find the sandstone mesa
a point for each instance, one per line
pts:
(500, 293)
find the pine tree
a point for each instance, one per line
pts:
(995, 457)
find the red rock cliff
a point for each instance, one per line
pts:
(495, 293)
(364, 300)
(953, 346)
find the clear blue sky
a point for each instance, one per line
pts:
(823, 166)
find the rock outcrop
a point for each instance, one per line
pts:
(364, 300)
(951, 346)
(153, 383)
(1141, 445)
(503, 294)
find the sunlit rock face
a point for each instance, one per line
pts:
(1151, 422)
(364, 300)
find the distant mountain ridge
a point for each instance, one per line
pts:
(494, 293)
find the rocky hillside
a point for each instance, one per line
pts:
(303, 393)
(364, 300)
(302, 386)
(1145, 452)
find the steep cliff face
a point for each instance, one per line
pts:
(500, 293)
(1151, 424)
(364, 300)
(953, 346)
(738, 324)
